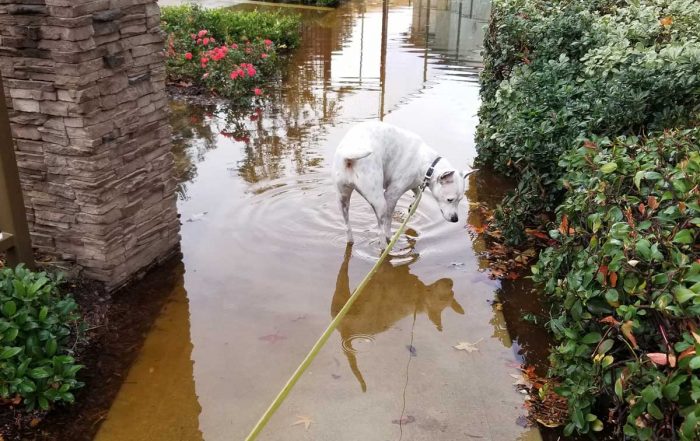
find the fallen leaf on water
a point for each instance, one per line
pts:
(412, 350)
(33, 423)
(405, 420)
(272, 338)
(520, 380)
(335, 376)
(197, 217)
(467, 347)
(306, 421)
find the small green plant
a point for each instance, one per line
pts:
(38, 327)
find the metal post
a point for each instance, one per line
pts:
(14, 233)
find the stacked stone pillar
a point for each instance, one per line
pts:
(85, 86)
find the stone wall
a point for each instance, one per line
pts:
(85, 86)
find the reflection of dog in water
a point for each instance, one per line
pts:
(392, 294)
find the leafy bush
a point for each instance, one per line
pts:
(38, 327)
(232, 54)
(227, 24)
(625, 280)
(556, 71)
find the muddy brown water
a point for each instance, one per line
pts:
(266, 266)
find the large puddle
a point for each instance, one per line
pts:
(266, 266)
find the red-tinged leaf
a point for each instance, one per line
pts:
(681, 207)
(536, 233)
(613, 279)
(652, 202)
(609, 320)
(590, 145)
(658, 358)
(642, 207)
(513, 275)
(672, 360)
(603, 269)
(666, 21)
(627, 331)
(687, 353)
(564, 226)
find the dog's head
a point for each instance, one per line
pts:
(448, 189)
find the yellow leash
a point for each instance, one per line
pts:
(333, 324)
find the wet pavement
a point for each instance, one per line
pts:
(266, 266)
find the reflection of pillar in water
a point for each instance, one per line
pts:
(382, 61)
(471, 8)
(362, 40)
(160, 383)
(427, 33)
(459, 28)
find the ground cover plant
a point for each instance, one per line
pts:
(39, 328)
(233, 54)
(593, 108)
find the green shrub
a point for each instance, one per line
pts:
(556, 71)
(625, 285)
(227, 24)
(38, 328)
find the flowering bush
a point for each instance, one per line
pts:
(231, 69)
(235, 57)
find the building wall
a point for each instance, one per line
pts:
(85, 87)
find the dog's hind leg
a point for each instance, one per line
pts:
(378, 204)
(344, 193)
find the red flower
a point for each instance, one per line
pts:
(199, 41)
(202, 33)
(204, 60)
(194, 36)
(263, 56)
(188, 56)
(234, 74)
(234, 46)
(251, 71)
(268, 42)
(247, 50)
(205, 41)
(257, 91)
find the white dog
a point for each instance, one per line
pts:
(382, 162)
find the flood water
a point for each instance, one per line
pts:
(266, 266)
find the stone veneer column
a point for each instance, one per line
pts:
(85, 86)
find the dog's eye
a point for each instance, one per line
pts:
(450, 200)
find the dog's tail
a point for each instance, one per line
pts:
(356, 153)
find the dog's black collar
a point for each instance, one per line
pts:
(431, 169)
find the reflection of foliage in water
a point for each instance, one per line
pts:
(192, 137)
(285, 133)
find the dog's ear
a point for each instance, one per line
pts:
(446, 177)
(465, 173)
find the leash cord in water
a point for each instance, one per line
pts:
(331, 327)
